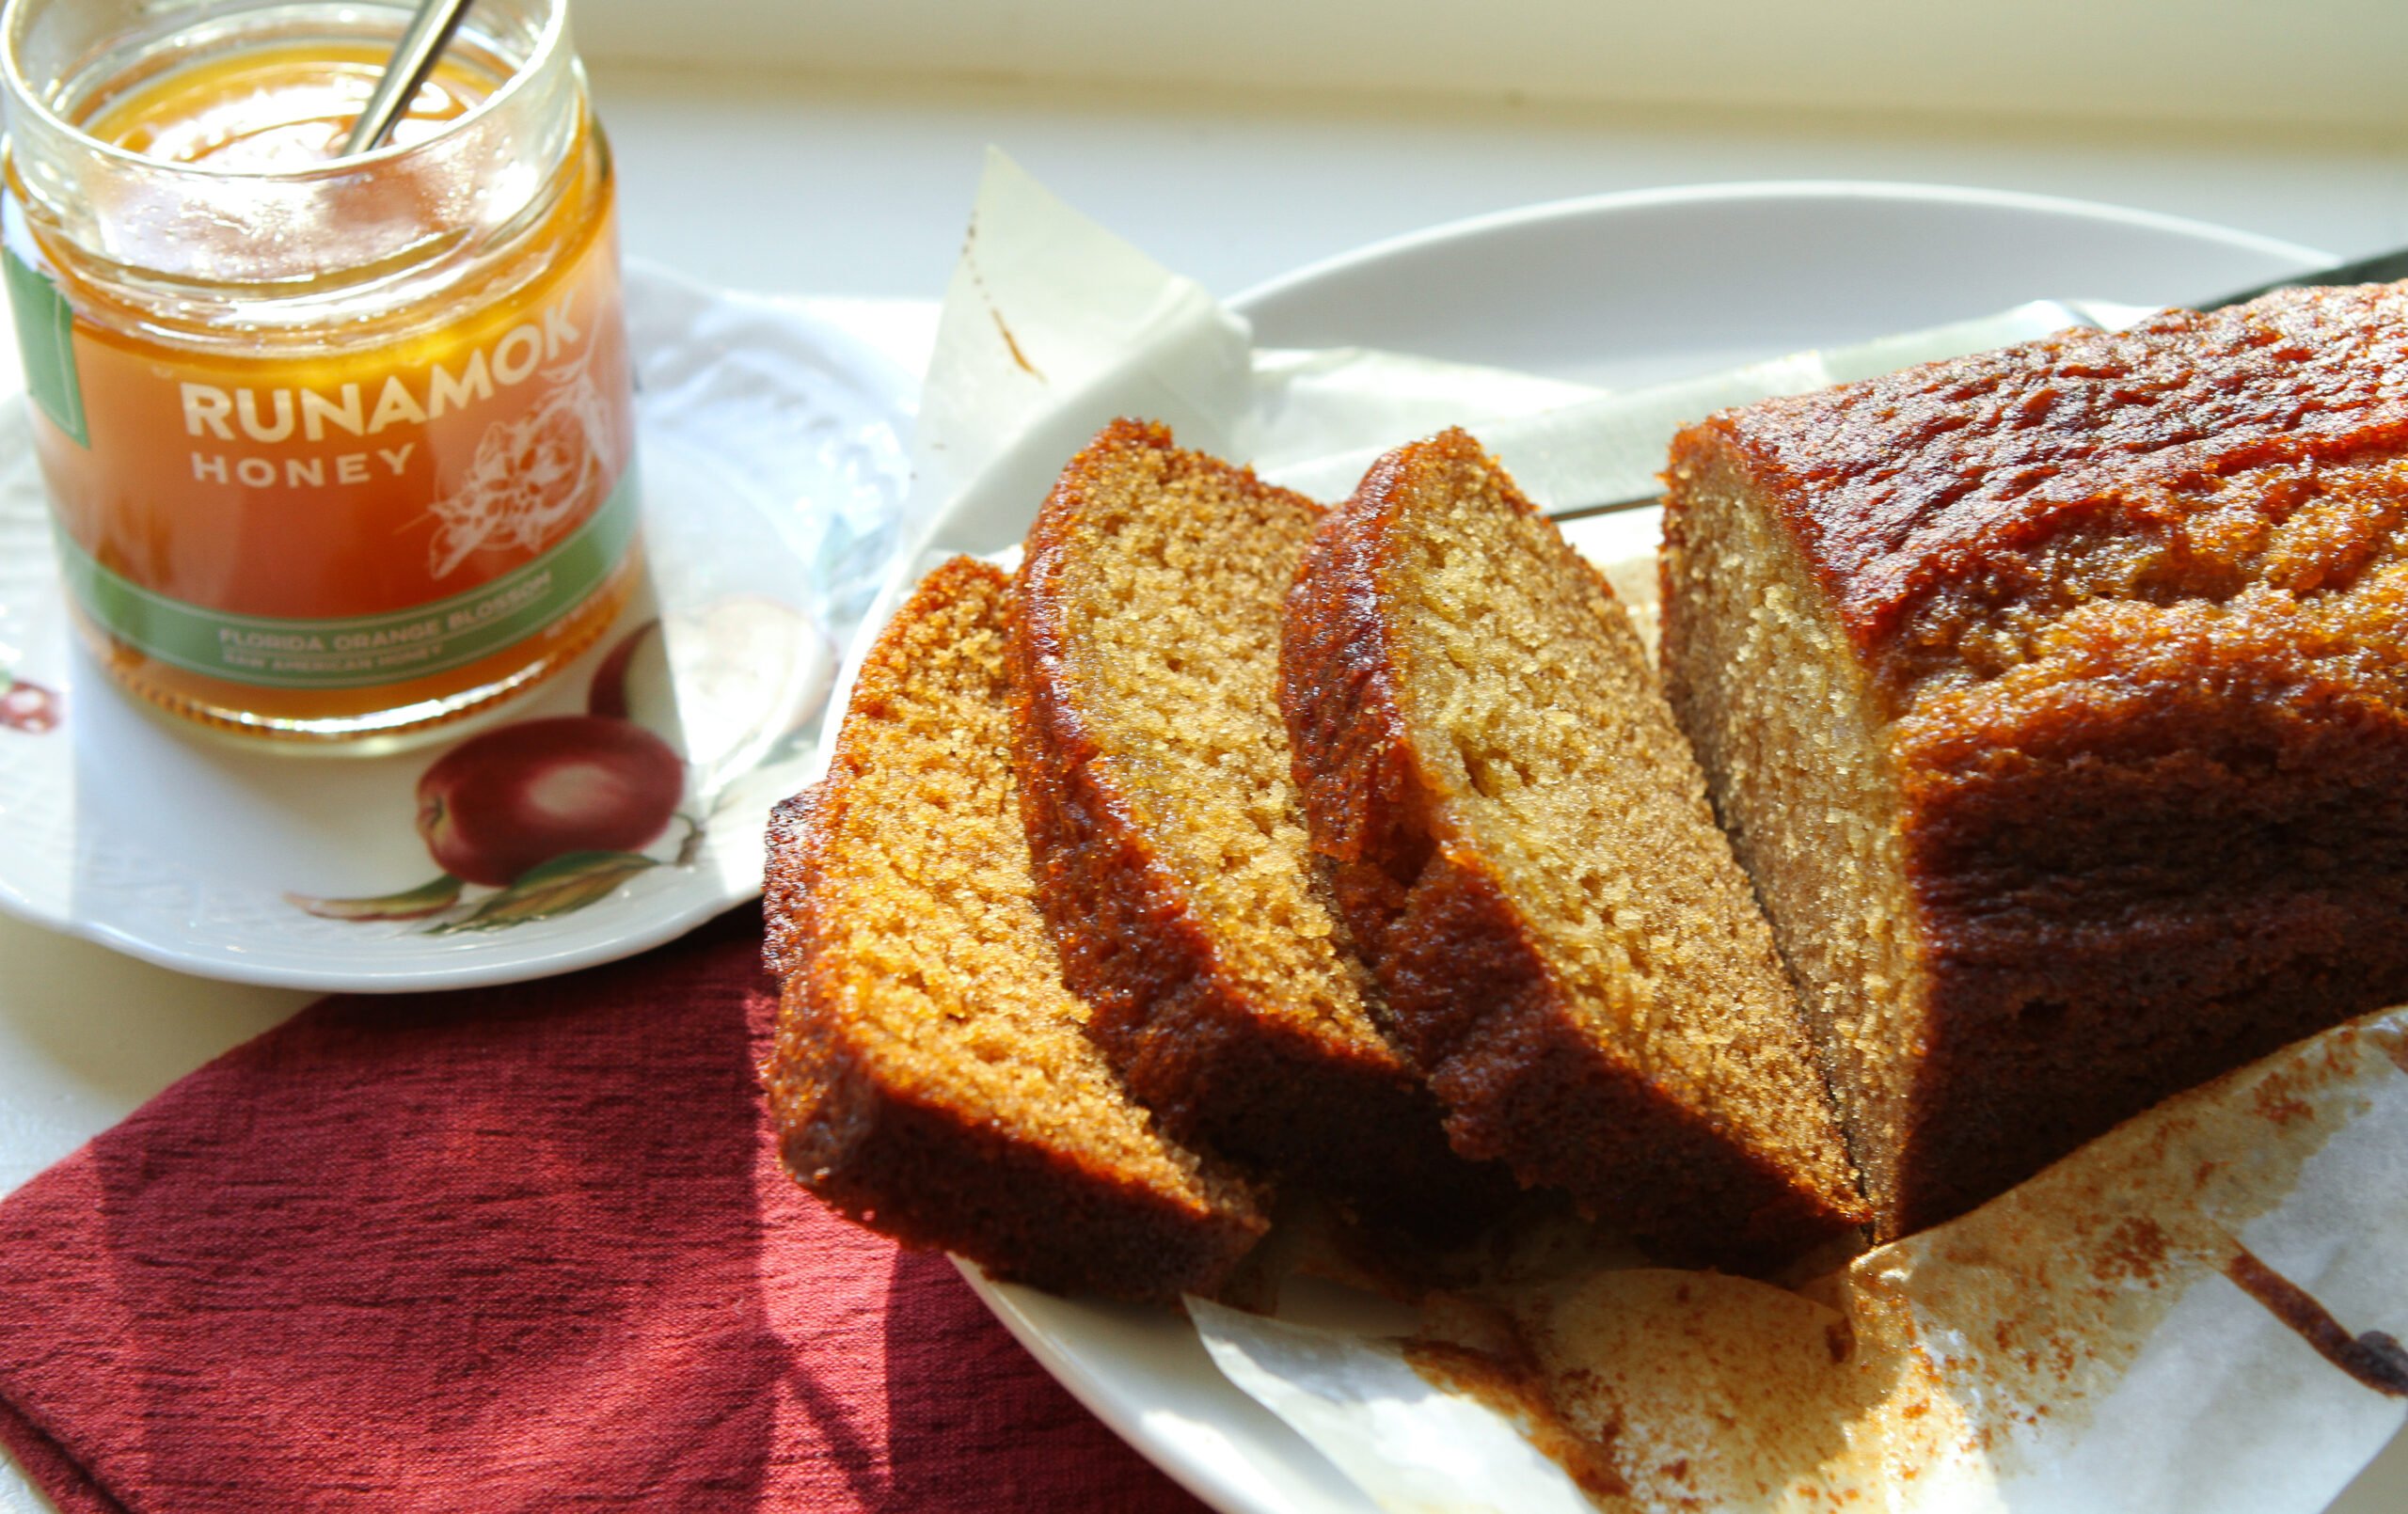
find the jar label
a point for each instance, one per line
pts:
(364, 651)
(358, 506)
(45, 340)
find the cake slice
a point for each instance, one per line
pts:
(931, 1076)
(1520, 841)
(1172, 856)
(2057, 700)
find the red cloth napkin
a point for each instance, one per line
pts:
(524, 1247)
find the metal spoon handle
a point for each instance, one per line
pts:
(411, 62)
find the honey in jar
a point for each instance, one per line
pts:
(339, 448)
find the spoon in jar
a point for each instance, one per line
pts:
(413, 59)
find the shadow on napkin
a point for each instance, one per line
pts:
(518, 1247)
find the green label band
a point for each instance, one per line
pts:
(360, 652)
(46, 341)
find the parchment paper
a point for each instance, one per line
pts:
(2187, 1315)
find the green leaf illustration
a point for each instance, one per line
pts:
(559, 887)
(411, 904)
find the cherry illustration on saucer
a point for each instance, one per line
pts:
(521, 794)
(554, 813)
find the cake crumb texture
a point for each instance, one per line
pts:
(1174, 863)
(1520, 839)
(932, 1076)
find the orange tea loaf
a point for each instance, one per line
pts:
(2057, 700)
(932, 1077)
(1520, 840)
(1172, 855)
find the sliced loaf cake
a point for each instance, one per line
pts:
(1520, 841)
(932, 1077)
(1173, 860)
(2057, 700)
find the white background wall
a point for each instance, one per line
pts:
(1236, 138)
(861, 184)
(2331, 62)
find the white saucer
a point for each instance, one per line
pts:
(773, 450)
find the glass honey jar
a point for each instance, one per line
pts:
(338, 447)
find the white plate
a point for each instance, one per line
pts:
(1621, 290)
(774, 473)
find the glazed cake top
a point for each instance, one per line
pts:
(1952, 510)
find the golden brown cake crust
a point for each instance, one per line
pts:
(1957, 474)
(2130, 613)
(1332, 1105)
(1468, 981)
(887, 1136)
